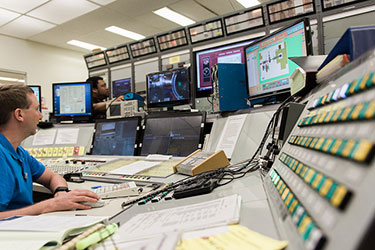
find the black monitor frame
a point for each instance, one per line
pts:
(207, 93)
(123, 79)
(172, 103)
(166, 115)
(137, 135)
(76, 118)
(309, 51)
(40, 94)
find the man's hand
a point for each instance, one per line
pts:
(71, 200)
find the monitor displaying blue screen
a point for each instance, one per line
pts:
(268, 66)
(168, 88)
(72, 99)
(37, 93)
(122, 86)
(177, 135)
(116, 137)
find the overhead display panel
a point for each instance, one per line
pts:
(282, 10)
(207, 31)
(172, 40)
(117, 54)
(244, 21)
(95, 60)
(331, 4)
(143, 48)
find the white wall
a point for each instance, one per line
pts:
(43, 64)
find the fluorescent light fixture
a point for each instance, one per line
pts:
(248, 3)
(9, 79)
(124, 32)
(174, 16)
(84, 45)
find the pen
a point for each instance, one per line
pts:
(169, 196)
(97, 236)
(95, 187)
(159, 197)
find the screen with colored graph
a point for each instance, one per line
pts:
(267, 60)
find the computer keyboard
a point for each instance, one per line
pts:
(117, 190)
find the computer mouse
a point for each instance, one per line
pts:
(98, 203)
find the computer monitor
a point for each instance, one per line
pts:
(120, 87)
(72, 101)
(204, 59)
(173, 134)
(37, 91)
(116, 137)
(168, 88)
(267, 65)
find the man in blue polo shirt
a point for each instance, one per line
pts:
(19, 116)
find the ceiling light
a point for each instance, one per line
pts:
(9, 79)
(174, 16)
(84, 45)
(124, 32)
(248, 3)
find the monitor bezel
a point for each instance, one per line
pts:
(120, 80)
(208, 92)
(137, 136)
(309, 51)
(172, 103)
(167, 115)
(72, 117)
(40, 94)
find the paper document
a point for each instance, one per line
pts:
(228, 237)
(157, 157)
(167, 241)
(230, 134)
(67, 136)
(221, 211)
(135, 167)
(44, 137)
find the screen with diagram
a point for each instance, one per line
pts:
(267, 64)
(72, 99)
(120, 87)
(204, 59)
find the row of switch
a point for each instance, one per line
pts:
(349, 89)
(56, 151)
(337, 194)
(111, 176)
(309, 231)
(357, 150)
(360, 111)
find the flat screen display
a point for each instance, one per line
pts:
(178, 135)
(204, 59)
(37, 93)
(116, 137)
(122, 86)
(268, 67)
(72, 99)
(168, 88)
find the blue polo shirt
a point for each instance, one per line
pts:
(18, 170)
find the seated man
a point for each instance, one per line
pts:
(100, 93)
(19, 116)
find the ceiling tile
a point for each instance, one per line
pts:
(60, 11)
(21, 6)
(24, 27)
(7, 16)
(192, 10)
(221, 7)
(103, 2)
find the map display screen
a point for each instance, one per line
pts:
(267, 64)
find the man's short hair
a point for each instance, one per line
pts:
(94, 81)
(11, 98)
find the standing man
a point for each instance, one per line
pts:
(100, 93)
(19, 116)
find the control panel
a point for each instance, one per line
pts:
(321, 186)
